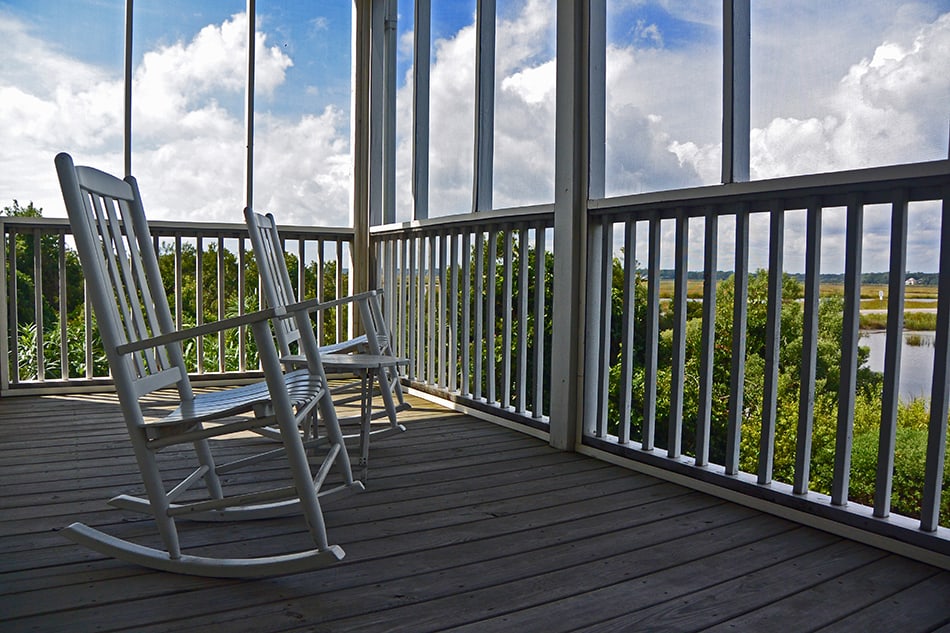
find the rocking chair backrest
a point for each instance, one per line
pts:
(269, 253)
(122, 274)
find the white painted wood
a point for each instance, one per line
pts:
(940, 391)
(63, 338)
(806, 402)
(773, 332)
(507, 316)
(199, 301)
(736, 42)
(604, 253)
(241, 280)
(890, 396)
(375, 122)
(484, 105)
(221, 300)
(420, 287)
(8, 314)
(200, 565)
(594, 333)
(521, 384)
(443, 317)
(491, 375)
(466, 364)
(143, 347)
(597, 97)
(739, 313)
(38, 307)
(479, 332)
(540, 318)
(850, 331)
(127, 91)
(571, 167)
(674, 446)
(652, 336)
(627, 329)
(453, 342)
(431, 322)
(388, 158)
(362, 139)
(422, 37)
(341, 291)
(363, 355)
(708, 337)
(249, 90)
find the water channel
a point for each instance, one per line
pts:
(917, 361)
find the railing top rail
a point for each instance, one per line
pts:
(191, 229)
(514, 215)
(923, 181)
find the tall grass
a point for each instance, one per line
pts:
(919, 321)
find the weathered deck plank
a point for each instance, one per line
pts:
(464, 526)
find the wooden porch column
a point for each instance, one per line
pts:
(360, 143)
(484, 106)
(127, 92)
(572, 163)
(736, 40)
(422, 33)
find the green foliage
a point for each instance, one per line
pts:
(912, 417)
(27, 361)
(56, 260)
(910, 458)
(24, 253)
(496, 251)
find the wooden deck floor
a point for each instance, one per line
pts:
(465, 526)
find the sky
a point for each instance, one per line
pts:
(835, 85)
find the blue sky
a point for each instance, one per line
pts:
(835, 86)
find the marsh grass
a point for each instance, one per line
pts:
(916, 321)
(917, 340)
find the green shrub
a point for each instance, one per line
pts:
(910, 458)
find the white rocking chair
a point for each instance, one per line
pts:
(145, 354)
(373, 362)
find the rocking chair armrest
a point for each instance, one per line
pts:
(311, 305)
(314, 304)
(206, 328)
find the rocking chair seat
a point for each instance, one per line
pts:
(342, 347)
(302, 387)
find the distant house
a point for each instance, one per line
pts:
(910, 282)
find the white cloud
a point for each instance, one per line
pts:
(177, 88)
(451, 125)
(888, 107)
(649, 33)
(188, 145)
(881, 100)
(50, 102)
(532, 85)
(303, 168)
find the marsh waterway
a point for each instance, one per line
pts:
(917, 361)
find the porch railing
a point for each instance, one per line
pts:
(667, 388)
(701, 398)
(49, 338)
(470, 300)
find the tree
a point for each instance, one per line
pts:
(23, 251)
(912, 417)
(25, 243)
